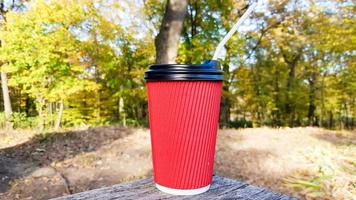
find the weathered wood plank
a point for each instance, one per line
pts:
(222, 188)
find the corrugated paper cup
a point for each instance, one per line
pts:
(184, 104)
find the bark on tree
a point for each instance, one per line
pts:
(7, 101)
(322, 99)
(331, 120)
(59, 116)
(312, 96)
(41, 103)
(194, 20)
(167, 39)
(225, 104)
(50, 110)
(352, 113)
(289, 106)
(4, 85)
(277, 121)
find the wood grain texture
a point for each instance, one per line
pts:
(222, 188)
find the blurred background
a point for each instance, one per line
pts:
(74, 106)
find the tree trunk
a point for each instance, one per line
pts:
(225, 103)
(352, 113)
(322, 109)
(276, 112)
(225, 112)
(312, 106)
(289, 105)
(331, 120)
(7, 101)
(59, 116)
(167, 39)
(50, 110)
(189, 32)
(41, 103)
(122, 111)
(98, 95)
(117, 111)
(4, 85)
(257, 88)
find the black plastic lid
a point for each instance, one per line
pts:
(208, 71)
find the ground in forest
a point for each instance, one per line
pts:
(304, 162)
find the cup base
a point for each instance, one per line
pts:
(182, 192)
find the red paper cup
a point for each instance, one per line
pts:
(183, 116)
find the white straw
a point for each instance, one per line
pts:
(233, 30)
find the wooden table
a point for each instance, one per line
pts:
(222, 188)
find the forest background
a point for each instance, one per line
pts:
(81, 63)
